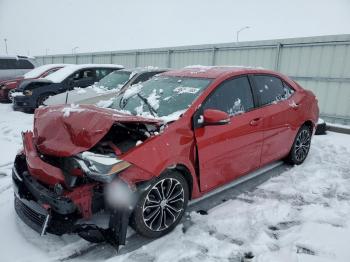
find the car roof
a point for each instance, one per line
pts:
(213, 71)
(15, 57)
(66, 71)
(145, 69)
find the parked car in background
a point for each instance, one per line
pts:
(33, 93)
(321, 127)
(8, 86)
(158, 145)
(15, 66)
(106, 88)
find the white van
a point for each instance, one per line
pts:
(14, 66)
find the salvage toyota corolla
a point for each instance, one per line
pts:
(139, 160)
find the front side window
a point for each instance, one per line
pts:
(233, 97)
(271, 89)
(83, 74)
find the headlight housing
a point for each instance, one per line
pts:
(27, 92)
(99, 167)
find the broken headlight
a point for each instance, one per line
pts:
(99, 167)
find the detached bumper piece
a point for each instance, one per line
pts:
(38, 207)
(45, 211)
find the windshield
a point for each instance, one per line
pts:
(164, 96)
(114, 80)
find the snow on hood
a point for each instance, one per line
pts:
(68, 130)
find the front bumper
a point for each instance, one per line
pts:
(44, 211)
(4, 95)
(24, 103)
(38, 207)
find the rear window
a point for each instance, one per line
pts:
(15, 64)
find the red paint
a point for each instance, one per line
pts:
(225, 152)
(9, 84)
(82, 198)
(39, 169)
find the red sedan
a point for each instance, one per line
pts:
(155, 147)
(6, 87)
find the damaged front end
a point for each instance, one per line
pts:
(60, 191)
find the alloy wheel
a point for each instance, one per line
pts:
(302, 145)
(163, 204)
(9, 95)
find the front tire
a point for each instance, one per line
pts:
(161, 207)
(301, 146)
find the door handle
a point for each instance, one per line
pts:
(255, 121)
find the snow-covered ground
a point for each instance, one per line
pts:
(300, 215)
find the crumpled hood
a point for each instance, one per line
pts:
(68, 130)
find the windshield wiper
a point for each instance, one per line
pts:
(150, 108)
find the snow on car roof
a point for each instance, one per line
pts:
(208, 71)
(63, 73)
(36, 72)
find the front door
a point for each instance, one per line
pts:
(226, 152)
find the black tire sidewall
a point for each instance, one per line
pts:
(137, 222)
(292, 157)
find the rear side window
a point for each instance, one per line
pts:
(15, 64)
(24, 64)
(271, 89)
(233, 97)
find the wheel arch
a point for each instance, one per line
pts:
(309, 124)
(187, 175)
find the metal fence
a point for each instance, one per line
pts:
(321, 64)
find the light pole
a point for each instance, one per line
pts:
(240, 30)
(74, 50)
(5, 40)
(46, 51)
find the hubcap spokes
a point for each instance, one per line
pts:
(10, 94)
(302, 145)
(163, 204)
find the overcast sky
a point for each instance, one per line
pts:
(34, 26)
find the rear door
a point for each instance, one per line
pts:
(278, 114)
(226, 152)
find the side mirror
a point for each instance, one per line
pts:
(213, 117)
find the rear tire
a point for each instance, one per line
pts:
(300, 147)
(161, 207)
